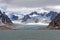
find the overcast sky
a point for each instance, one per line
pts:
(30, 3)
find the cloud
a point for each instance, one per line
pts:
(17, 4)
(30, 3)
(5, 1)
(53, 8)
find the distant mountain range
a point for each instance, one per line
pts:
(35, 16)
(32, 17)
(40, 16)
(27, 15)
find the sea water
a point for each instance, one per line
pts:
(29, 34)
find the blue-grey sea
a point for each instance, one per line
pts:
(30, 33)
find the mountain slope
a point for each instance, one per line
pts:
(42, 17)
(55, 23)
(5, 22)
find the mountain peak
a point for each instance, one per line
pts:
(32, 13)
(55, 23)
(5, 21)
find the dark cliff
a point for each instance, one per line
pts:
(55, 23)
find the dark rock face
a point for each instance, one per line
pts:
(14, 17)
(55, 23)
(5, 19)
(52, 14)
(34, 13)
(25, 18)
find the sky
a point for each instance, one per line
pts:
(30, 4)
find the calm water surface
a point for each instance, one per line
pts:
(29, 34)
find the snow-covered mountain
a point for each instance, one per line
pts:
(5, 22)
(39, 17)
(30, 14)
(32, 17)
